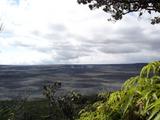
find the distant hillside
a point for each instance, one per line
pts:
(15, 80)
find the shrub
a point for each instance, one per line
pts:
(138, 99)
(68, 106)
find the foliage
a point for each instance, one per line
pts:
(54, 107)
(11, 110)
(139, 99)
(68, 106)
(119, 8)
(30, 110)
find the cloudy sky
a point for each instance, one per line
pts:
(63, 32)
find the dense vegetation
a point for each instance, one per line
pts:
(53, 108)
(138, 99)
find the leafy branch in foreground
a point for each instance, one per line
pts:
(139, 99)
(119, 8)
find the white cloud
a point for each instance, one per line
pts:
(59, 31)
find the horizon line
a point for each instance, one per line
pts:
(72, 64)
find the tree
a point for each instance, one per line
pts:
(119, 8)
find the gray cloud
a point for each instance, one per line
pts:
(126, 41)
(57, 27)
(120, 49)
(74, 35)
(133, 44)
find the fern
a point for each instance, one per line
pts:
(139, 98)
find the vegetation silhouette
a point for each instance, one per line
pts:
(119, 8)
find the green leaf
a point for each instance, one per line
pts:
(157, 117)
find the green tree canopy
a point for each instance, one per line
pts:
(119, 8)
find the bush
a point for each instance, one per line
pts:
(138, 99)
(68, 106)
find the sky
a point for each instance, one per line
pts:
(64, 32)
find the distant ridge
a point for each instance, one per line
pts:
(93, 78)
(77, 64)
